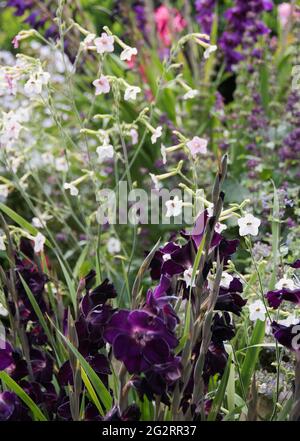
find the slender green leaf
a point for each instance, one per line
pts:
(102, 392)
(250, 360)
(91, 391)
(70, 283)
(21, 221)
(219, 397)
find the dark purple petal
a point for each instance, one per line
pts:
(7, 405)
(65, 374)
(276, 297)
(118, 324)
(288, 336)
(156, 351)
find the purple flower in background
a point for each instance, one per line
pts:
(38, 18)
(141, 18)
(139, 339)
(244, 26)
(205, 14)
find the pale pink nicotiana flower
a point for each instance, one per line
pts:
(102, 85)
(105, 43)
(197, 145)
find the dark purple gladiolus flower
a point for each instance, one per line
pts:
(199, 228)
(65, 374)
(288, 336)
(34, 278)
(158, 379)
(7, 405)
(139, 339)
(276, 297)
(98, 362)
(12, 362)
(226, 248)
(6, 358)
(95, 314)
(222, 328)
(229, 298)
(132, 413)
(163, 263)
(158, 303)
(42, 366)
(11, 408)
(215, 360)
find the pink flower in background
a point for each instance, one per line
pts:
(168, 21)
(285, 11)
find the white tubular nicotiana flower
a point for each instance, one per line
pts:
(73, 189)
(187, 277)
(257, 311)
(128, 53)
(155, 180)
(190, 94)
(131, 93)
(88, 42)
(39, 242)
(212, 48)
(220, 227)
(248, 224)
(2, 244)
(36, 222)
(61, 164)
(11, 128)
(156, 134)
(226, 279)
(134, 136)
(285, 283)
(35, 83)
(163, 152)
(3, 311)
(113, 245)
(4, 190)
(290, 320)
(104, 152)
(174, 207)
